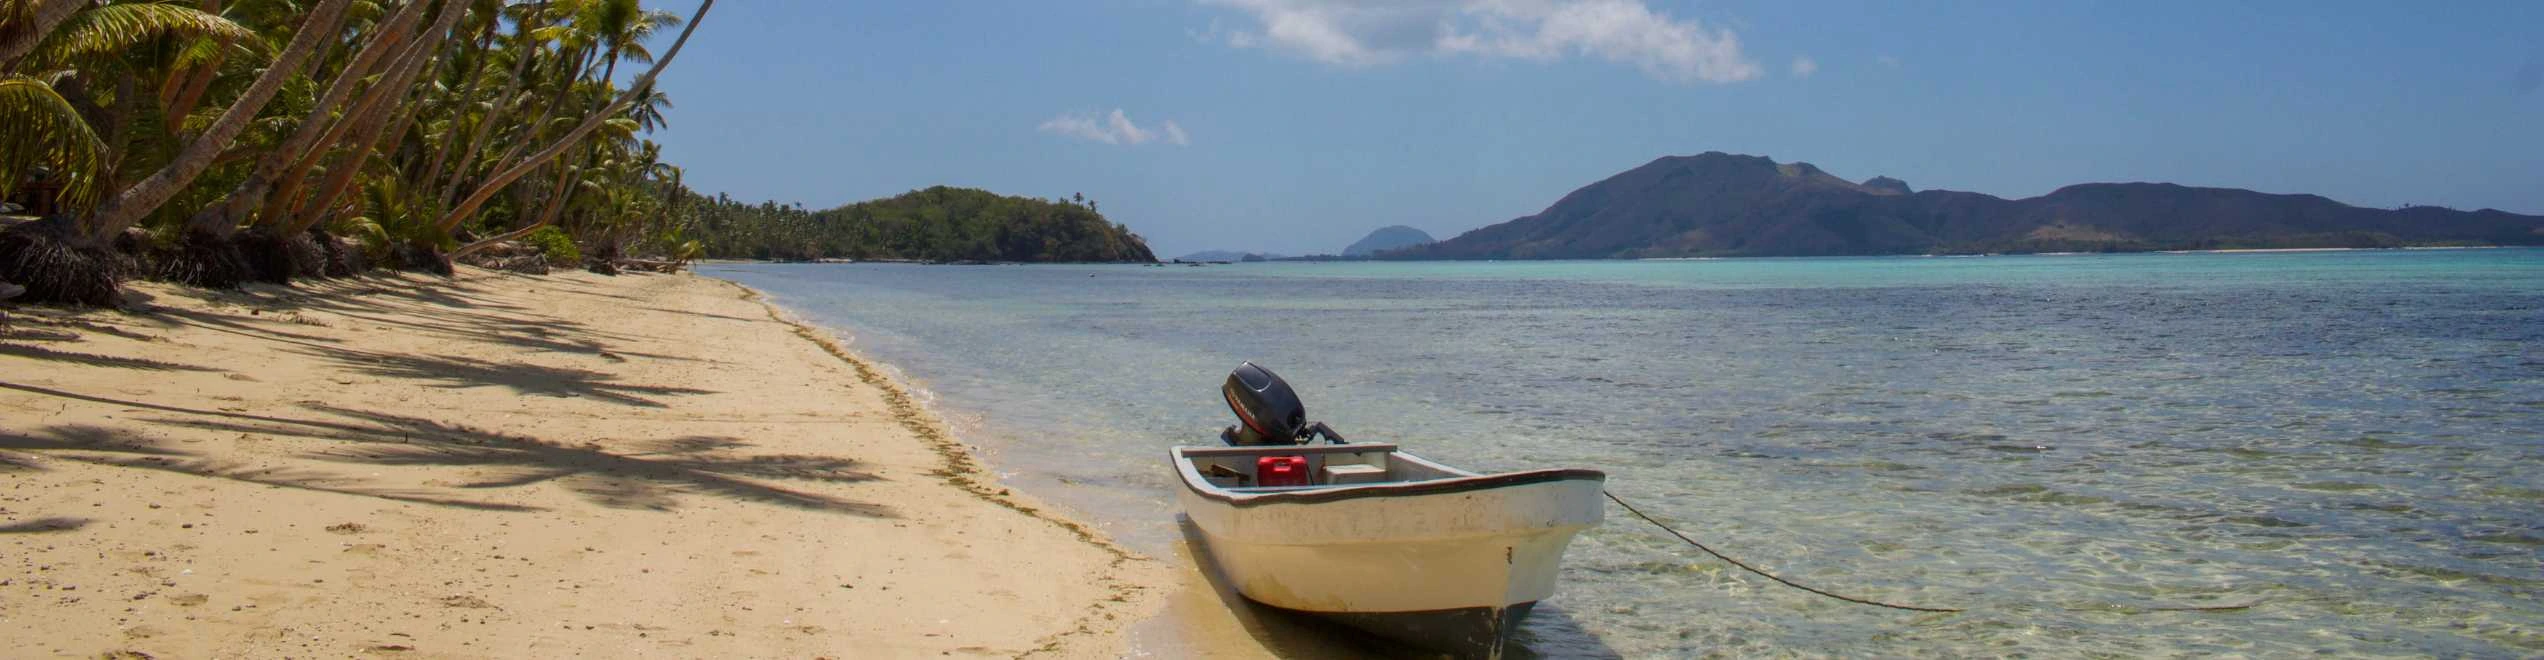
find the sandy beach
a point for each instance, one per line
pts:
(500, 465)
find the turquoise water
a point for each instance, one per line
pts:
(2353, 439)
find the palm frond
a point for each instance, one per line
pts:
(46, 132)
(112, 29)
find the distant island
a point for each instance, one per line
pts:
(934, 224)
(1391, 237)
(1717, 204)
(1230, 255)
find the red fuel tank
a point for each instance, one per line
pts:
(1280, 471)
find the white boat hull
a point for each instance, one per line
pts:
(1447, 563)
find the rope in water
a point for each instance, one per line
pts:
(1638, 513)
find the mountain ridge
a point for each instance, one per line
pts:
(1719, 204)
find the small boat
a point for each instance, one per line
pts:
(1372, 536)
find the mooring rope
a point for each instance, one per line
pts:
(1638, 513)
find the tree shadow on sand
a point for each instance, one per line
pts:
(456, 294)
(94, 360)
(454, 372)
(43, 525)
(426, 315)
(645, 474)
(270, 315)
(640, 474)
(66, 327)
(116, 448)
(230, 324)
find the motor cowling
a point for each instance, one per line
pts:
(1268, 411)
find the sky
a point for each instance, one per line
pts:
(1297, 126)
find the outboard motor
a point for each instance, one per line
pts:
(1268, 411)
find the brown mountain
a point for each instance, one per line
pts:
(1717, 204)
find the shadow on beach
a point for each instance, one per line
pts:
(93, 360)
(106, 447)
(640, 474)
(521, 377)
(462, 309)
(44, 525)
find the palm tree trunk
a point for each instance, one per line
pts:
(366, 137)
(129, 206)
(530, 131)
(197, 79)
(557, 196)
(192, 93)
(223, 218)
(487, 190)
(47, 15)
(118, 132)
(393, 42)
(670, 197)
(324, 207)
(468, 93)
(490, 241)
(523, 54)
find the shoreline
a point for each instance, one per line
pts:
(1178, 262)
(1196, 614)
(443, 468)
(964, 469)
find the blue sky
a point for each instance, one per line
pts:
(1296, 126)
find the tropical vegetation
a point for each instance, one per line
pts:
(934, 224)
(217, 142)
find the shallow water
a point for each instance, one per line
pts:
(2352, 439)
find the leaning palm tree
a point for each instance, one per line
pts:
(47, 43)
(206, 254)
(514, 170)
(524, 51)
(287, 246)
(66, 258)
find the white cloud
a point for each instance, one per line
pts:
(1803, 67)
(1114, 128)
(1359, 33)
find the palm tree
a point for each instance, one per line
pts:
(374, 123)
(64, 258)
(392, 44)
(44, 43)
(472, 60)
(513, 172)
(25, 23)
(524, 52)
(206, 256)
(329, 117)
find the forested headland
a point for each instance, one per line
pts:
(935, 224)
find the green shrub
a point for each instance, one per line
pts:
(558, 247)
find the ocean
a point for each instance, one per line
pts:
(2354, 440)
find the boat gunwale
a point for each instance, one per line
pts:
(1199, 486)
